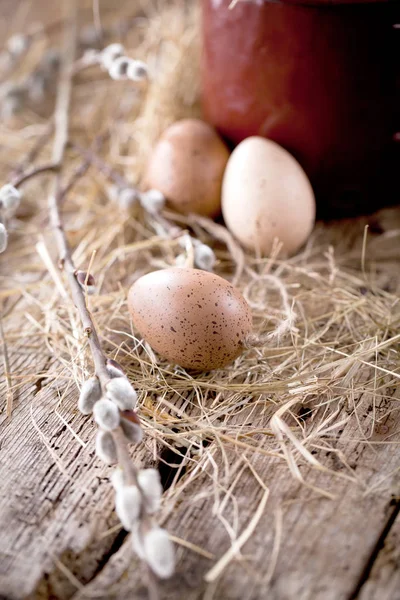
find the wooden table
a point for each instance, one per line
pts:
(245, 527)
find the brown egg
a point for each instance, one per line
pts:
(191, 317)
(187, 166)
(267, 196)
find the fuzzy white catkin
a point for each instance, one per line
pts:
(152, 201)
(159, 552)
(110, 53)
(132, 431)
(119, 67)
(17, 44)
(114, 371)
(204, 257)
(137, 70)
(127, 505)
(106, 414)
(3, 237)
(127, 198)
(89, 289)
(120, 391)
(13, 100)
(150, 482)
(10, 199)
(106, 449)
(91, 56)
(89, 395)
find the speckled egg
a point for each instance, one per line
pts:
(192, 318)
(187, 166)
(266, 196)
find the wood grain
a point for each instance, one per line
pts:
(55, 499)
(323, 545)
(56, 506)
(383, 581)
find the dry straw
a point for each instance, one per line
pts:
(328, 317)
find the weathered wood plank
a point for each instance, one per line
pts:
(57, 505)
(383, 582)
(55, 498)
(304, 547)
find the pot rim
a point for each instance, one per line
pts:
(326, 3)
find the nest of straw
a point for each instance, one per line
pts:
(332, 310)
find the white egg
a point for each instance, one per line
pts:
(267, 196)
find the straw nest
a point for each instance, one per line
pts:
(332, 310)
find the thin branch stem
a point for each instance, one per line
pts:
(124, 458)
(164, 225)
(61, 119)
(57, 194)
(76, 176)
(20, 179)
(84, 166)
(104, 168)
(33, 153)
(152, 585)
(97, 19)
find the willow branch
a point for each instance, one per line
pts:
(33, 153)
(101, 165)
(61, 120)
(90, 155)
(20, 179)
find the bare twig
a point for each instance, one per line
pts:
(33, 153)
(75, 177)
(57, 194)
(20, 179)
(161, 224)
(83, 167)
(61, 119)
(101, 165)
(97, 19)
(152, 585)
(221, 233)
(14, 62)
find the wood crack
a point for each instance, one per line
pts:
(39, 381)
(376, 550)
(116, 545)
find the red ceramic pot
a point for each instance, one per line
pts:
(321, 78)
